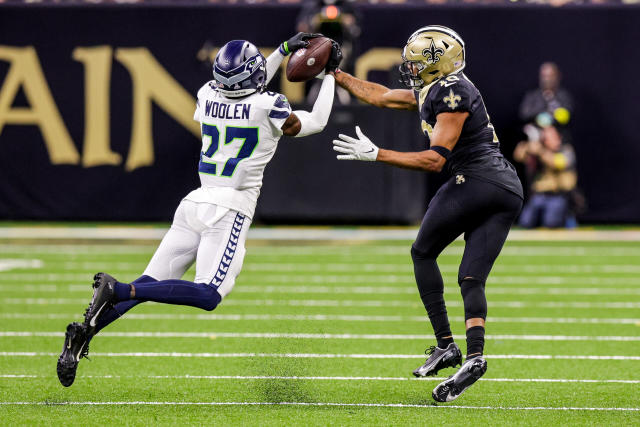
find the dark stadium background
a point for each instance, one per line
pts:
(595, 47)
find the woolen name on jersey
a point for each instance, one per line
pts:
(221, 110)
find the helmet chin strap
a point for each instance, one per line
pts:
(237, 93)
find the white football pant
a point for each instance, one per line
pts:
(210, 235)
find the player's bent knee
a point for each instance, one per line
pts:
(212, 299)
(415, 254)
(418, 255)
(478, 272)
(471, 283)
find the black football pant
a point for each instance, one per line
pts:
(484, 212)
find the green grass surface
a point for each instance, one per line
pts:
(562, 300)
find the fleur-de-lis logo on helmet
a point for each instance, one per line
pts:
(433, 53)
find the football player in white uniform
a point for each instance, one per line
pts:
(241, 124)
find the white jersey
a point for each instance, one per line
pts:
(239, 138)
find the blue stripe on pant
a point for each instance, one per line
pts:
(229, 252)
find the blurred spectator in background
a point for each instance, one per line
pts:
(550, 102)
(551, 164)
(340, 21)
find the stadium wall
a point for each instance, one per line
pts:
(96, 105)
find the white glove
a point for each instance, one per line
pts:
(355, 149)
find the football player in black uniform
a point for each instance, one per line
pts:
(481, 199)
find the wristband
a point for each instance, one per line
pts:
(443, 151)
(284, 49)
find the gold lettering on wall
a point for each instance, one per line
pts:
(25, 71)
(152, 83)
(97, 82)
(379, 58)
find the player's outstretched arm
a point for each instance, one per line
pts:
(303, 123)
(377, 94)
(296, 42)
(444, 137)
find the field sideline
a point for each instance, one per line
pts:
(323, 327)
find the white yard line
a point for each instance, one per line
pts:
(356, 290)
(311, 378)
(305, 267)
(325, 404)
(411, 290)
(600, 251)
(407, 280)
(65, 233)
(400, 303)
(144, 251)
(12, 264)
(299, 233)
(374, 337)
(399, 267)
(358, 252)
(319, 355)
(350, 303)
(329, 317)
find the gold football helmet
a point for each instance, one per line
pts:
(431, 52)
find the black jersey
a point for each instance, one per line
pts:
(477, 152)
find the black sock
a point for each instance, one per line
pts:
(444, 342)
(122, 291)
(475, 341)
(439, 319)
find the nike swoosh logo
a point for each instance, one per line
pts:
(69, 344)
(370, 151)
(78, 355)
(92, 322)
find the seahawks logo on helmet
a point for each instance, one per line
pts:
(239, 69)
(433, 53)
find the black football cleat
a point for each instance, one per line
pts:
(76, 346)
(439, 358)
(103, 298)
(451, 388)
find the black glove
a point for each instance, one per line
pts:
(296, 42)
(335, 58)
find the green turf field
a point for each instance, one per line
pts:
(325, 333)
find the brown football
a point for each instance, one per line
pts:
(306, 63)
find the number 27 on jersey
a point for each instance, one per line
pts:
(246, 136)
